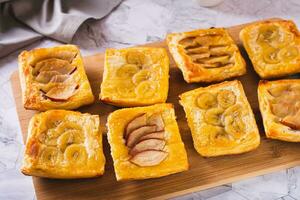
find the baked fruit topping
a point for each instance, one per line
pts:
(145, 138)
(285, 104)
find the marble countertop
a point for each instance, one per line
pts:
(138, 22)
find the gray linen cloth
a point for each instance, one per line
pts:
(25, 21)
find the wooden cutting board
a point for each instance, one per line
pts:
(204, 173)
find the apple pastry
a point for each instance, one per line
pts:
(64, 144)
(135, 76)
(279, 103)
(54, 78)
(273, 47)
(220, 119)
(206, 55)
(145, 142)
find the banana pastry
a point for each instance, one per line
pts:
(273, 47)
(145, 142)
(135, 76)
(220, 119)
(279, 103)
(65, 145)
(208, 55)
(54, 78)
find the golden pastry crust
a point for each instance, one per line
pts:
(273, 47)
(135, 76)
(54, 78)
(64, 145)
(220, 119)
(275, 108)
(206, 55)
(176, 160)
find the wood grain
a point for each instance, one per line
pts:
(204, 173)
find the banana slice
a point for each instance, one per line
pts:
(236, 110)
(213, 116)
(270, 55)
(68, 138)
(49, 138)
(235, 126)
(135, 57)
(146, 89)
(288, 53)
(76, 154)
(206, 100)
(267, 34)
(67, 125)
(126, 89)
(127, 71)
(214, 134)
(142, 75)
(219, 137)
(226, 98)
(49, 156)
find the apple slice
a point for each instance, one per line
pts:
(292, 121)
(59, 78)
(157, 120)
(149, 158)
(61, 92)
(54, 64)
(135, 135)
(137, 122)
(46, 76)
(150, 144)
(155, 135)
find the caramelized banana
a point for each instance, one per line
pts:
(49, 156)
(76, 154)
(69, 137)
(146, 89)
(213, 116)
(142, 75)
(226, 98)
(235, 126)
(288, 53)
(135, 57)
(270, 55)
(127, 71)
(206, 100)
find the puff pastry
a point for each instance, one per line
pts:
(54, 78)
(206, 55)
(273, 47)
(145, 142)
(220, 119)
(64, 144)
(279, 103)
(135, 76)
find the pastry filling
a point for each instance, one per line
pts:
(56, 77)
(136, 78)
(223, 118)
(210, 50)
(277, 45)
(145, 138)
(63, 142)
(285, 105)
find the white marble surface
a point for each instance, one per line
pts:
(137, 22)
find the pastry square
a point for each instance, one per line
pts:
(54, 78)
(64, 144)
(135, 76)
(206, 55)
(273, 47)
(279, 103)
(220, 119)
(145, 142)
